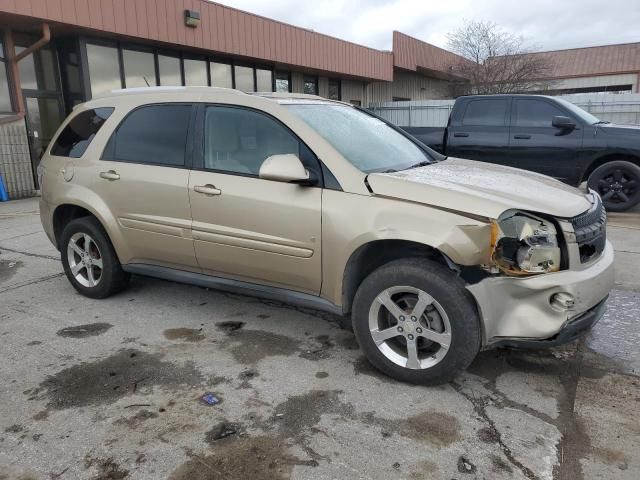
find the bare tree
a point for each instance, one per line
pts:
(495, 61)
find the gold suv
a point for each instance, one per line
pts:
(322, 204)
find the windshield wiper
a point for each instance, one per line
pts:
(424, 163)
(602, 122)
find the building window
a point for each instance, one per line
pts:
(169, 71)
(310, 85)
(195, 73)
(38, 70)
(283, 82)
(5, 97)
(155, 134)
(244, 78)
(104, 69)
(264, 80)
(221, 75)
(335, 92)
(139, 68)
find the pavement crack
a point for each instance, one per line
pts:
(29, 254)
(479, 406)
(16, 286)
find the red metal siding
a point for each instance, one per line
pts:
(222, 29)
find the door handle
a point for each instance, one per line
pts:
(207, 189)
(110, 175)
(460, 134)
(522, 137)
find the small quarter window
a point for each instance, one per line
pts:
(155, 134)
(79, 132)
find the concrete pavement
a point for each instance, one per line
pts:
(110, 389)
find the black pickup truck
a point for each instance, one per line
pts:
(546, 135)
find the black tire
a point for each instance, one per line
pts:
(618, 183)
(448, 290)
(112, 278)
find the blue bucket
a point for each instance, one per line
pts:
(4, 196)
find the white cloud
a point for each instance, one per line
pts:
(547, 24)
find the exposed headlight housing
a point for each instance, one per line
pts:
(525, 244)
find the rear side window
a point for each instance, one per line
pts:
(75, 138)
(485, 112)
(535, 113)
(155, 134)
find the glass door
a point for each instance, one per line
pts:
(44, 116)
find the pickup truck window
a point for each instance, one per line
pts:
(535, 113)
(366, 142)
(485, 112)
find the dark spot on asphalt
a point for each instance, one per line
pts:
(255, 458)
(43, 415)
(320, 350)
(137, 419)
(396, 465)
(34, 343)
(107, 468)
(230, 326)
(222, 430)
(299, 413)
(361, 366)
(347, 340)
(246, 376)
(465, 466)
(251, 346)
(83, 331)
(423, 471)
(184, 334)
(436, 428)
(322, 374)
(499, 465)
(15, 428)
(36, 436)
(263, 316)
(105, 381)
(8, 269)
(488, 435)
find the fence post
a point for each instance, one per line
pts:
(410, 115)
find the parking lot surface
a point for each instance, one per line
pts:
(111, 389)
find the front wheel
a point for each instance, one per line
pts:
(618, 183)
(416, 322)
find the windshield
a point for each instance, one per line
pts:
(367, 142)
(580, 113)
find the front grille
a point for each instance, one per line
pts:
(591, 230)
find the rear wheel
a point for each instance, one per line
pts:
(89, 260)
(618, 183)
(416, 322)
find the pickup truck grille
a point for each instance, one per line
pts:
(591, 231)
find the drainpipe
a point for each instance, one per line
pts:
(12, 64)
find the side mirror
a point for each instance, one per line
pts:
(563, 123)
(284, 168)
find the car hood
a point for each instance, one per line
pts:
(614, 129)
(481, 189)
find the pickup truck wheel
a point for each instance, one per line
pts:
(89, 260)
(416, 322)
(618, 183)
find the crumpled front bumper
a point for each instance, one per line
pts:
(519, 311)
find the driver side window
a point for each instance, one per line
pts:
(238, 140)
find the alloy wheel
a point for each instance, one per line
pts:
(409, 327)
(618, 186)
(85, 259)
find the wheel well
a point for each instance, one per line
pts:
(606, 159)
(372, 255)
(63, 215)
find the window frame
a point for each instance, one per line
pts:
(514, 112)
(122, 46)
(221, 61)
(9, 77)
(339, 83)
(313, 163)
(189, 144)
(275, 80)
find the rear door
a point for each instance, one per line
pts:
(479, 130)
(143, 178)
(245, 227)
(538, 146)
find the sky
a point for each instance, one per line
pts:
(544, 24)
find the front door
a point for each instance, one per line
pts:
(245, 227)
(44, 116)
(536, 145)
